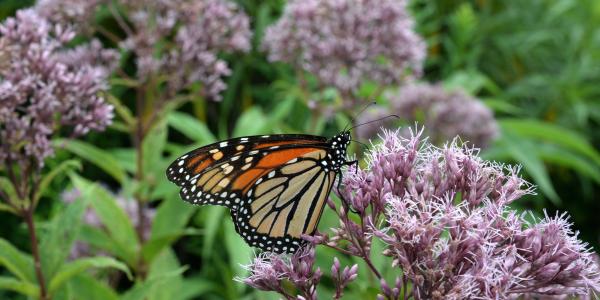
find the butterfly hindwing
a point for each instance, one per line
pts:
(285, 204)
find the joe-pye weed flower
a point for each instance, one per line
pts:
(174, 42)
(443, 216)
(46, 90)
(444, 113)
(346, 44)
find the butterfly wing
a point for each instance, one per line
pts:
(276, 186)
(286, 203)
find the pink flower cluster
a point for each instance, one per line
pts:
(270, 272)
(42, 87)
(444, 216)
(201, 30)
(347, 43)
(175, 42)
(445, 114)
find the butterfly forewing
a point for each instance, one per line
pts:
(218, 173)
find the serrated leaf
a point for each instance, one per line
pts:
(17, 262)
(73, 268)
(100, 158)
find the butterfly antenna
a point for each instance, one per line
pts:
(358, 114)
(361, 143)
(376, 120)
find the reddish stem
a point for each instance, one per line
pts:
(28, 216)
(138, 138)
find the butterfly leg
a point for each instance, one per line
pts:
(353, 163)
(345, 203)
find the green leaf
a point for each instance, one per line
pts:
(86, 287)
(194, 288)
(191, 127)
(212, 220)
(100, 158)
(125, 157)
(155, 245)
(524, 151)
(9, 190)
(7, 208)
(171, 216)
(143, 290)
(113, 217)
(502, 106)
(25, 288)
(169, 288)
(47, 179)
(122, 110)
(281, 111)
(560, 156)
(17, 262)
(239, 251)
(99, 239)
(57, 241)
(251, 122)
(549, 132)
(153, 147)
(124, 82)
(73, 268)
(471, 81)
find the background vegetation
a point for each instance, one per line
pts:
(534, 63)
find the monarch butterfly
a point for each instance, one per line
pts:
(275, 186)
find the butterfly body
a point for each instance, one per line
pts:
(275, 186)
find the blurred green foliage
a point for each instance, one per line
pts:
(535, 63)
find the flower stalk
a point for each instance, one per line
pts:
(27, 215)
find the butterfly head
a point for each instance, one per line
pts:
(339, 144)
